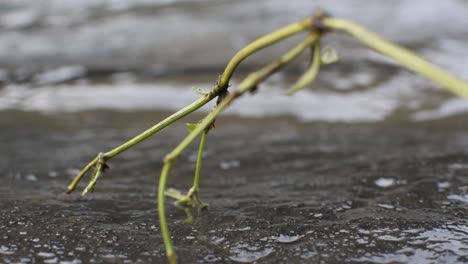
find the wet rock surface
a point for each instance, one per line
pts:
(280, 191)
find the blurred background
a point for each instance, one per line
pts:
(62, 56)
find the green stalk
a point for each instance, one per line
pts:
(161, 125)
(309, 76)
(162, 214)
(248, 50)
(260, 43)
(80, 175)
(199, 162)
(249, 83)
(404, 56)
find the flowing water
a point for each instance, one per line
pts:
(369, 166)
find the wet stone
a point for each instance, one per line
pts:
(311, 193)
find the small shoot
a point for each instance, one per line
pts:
(190, 127)
(193, 195)
(309, 76)
(100, 167)
(174, 194)
(195, 190)
(188, 213)
(199, 91)
(72, 186)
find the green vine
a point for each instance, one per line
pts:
(317, 26)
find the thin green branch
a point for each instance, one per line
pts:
(249, 83)
(196, 180)
(317, 24)
(192, 197)
(98, 170)
(71, 187)
(404, 56)
(260, 43)
(309, 76)
(162, 213)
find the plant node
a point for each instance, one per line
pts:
(317, 21)
(99, 168)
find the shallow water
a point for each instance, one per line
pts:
(280, 191)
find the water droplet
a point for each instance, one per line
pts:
(226, 165)
(412, 231)
(43, 254)
(386, 206)
(460, 198)
(390, 238)
(51, 261)
(362, 241)
(82, 249)
(217, 240)
(6, 250)
(287, 238)
(308, 255)
(245, 256)
(75, 261)
(31, 177)
(385, 182)
(211, 258)
(363, 231)
(443, 185)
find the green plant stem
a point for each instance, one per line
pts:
(260, 43)
(71, 187)
(196, 179)
(249, 83)
(162, 214)
(309, 76)
(404, 56)
(248, 50)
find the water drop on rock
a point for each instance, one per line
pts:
(385, 182)
(31, 177)
(287, 238)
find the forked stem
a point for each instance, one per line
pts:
(309, 76)
(247, 84)
(317, 25)
(192, 196)
(223, 82)
(72, 186)
(194, 192)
